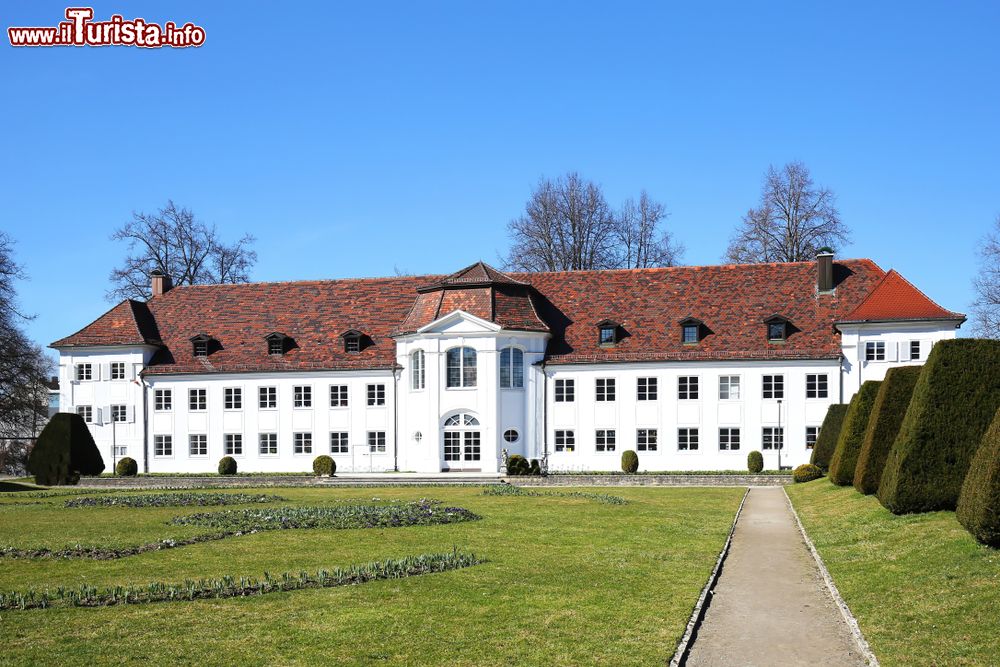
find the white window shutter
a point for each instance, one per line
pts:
(890, 351)
(97, 417)
(105, 372)
(130, 413)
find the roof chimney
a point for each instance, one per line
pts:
(824, 270)
(161, 282)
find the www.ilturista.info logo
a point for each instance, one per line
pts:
(81, 30)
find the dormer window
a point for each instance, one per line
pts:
(353, 341)
(691, 331)
(777, 329)
(200, 344)
(277, 344)
(607, 333)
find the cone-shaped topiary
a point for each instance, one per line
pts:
(535, 468)
(829, 432)
(127, 467)
(324, 465)
(806, 472)
(517, 465)
(227, 465)
(64, 451)
(887, 415)
(852, 434)
(755, 461)
(630, 461)
(979, 504)
(956, 396)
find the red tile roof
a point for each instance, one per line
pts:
(731, 301)
(895, 298)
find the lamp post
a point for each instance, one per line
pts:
(780, 436)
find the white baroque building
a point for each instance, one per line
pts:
(692, 367)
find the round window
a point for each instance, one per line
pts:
(510, 435)
(418, 436)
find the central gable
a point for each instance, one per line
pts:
(459, 322)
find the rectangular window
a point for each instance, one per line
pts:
(163, 400)
(812, 433)
(163, 445)
(687, 387)
(875, 351)
(376, 394)
(84, 372)
(268, 444)
(605, 389)
(914, 350)
(607, 336)
(86, 412)
(773, 438)
(646, 439)
(197, 400)
(233, 444)
(687, 439)
(268, 398)
(198, 445)
(565, 441)
(646, 389)
(376, 442)
(338, 395)
(729, 439)
(302, 396)
(302, 443)
(233, 398)
(816, 386)
(118, 413)
(729, 388)
(338, 442)
(565, 391)
(352, 344)
(117, 370)
(604, 440)
(774, 386)
(690, 334)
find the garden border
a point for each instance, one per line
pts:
(845, 611)
(700, 607)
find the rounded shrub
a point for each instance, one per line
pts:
(517, 465)
(755, 461)
(64, 451)
(324, 465)
(806, 472)
(127, 467)
(630, 461)
(852, 434)
(979, 504)
(883, 426)
(953, 404)
(829, 432)
(227, 465)
(536, 467)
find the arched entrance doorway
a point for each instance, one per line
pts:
(462, 443)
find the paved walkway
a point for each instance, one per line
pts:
(770, 605)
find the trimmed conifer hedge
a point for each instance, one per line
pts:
(887, 415)
(64, 451)
(630, 461)
(829, 432)
(955, 399)
(755, 462)
(852, 434)
(979, 504)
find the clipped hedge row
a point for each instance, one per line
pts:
(979, 503)
(852, 434)
(887, 415)
(829, 432)
(953, 404)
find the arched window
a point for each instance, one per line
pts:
(461, 367)
(511, 368)
(417, 369)
(463, 419)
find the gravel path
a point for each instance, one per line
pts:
(770, 605)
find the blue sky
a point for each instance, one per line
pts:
(355, 138)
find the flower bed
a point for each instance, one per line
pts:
(173, 500)
(512, 490)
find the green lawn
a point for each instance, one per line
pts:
(924, 592)
(568, 581)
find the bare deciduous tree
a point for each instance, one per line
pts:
(986, 307)
(794, 221)
(174, 242)
(568, 225)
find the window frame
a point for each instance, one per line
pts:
(302, 396)
(733, 435)
(605, 440)
(375, 395)
(688, 435)
(812, 438)
(647, 439)
(201, 438)
(81, 369)
(232, 444)
(88, 418)
(376, 442)
(920, 349)
(564, 390)
(343, 396)
(197, 397)
(607, 335)
(564, 440)
(771, 434)
(119, 413)
(516, 438)
(418, 371)
(163, 400)
(688, 387)
(874, 350)
(165, 443)
(605, 390)
(302, 443)
(467, 375)
(272, 441)
(116, 368)
(343, 442)
(514, 367)
(267, 397)
(232, 398)
(776, 388)
(817, 385)
(729, 382)
(647, 388)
